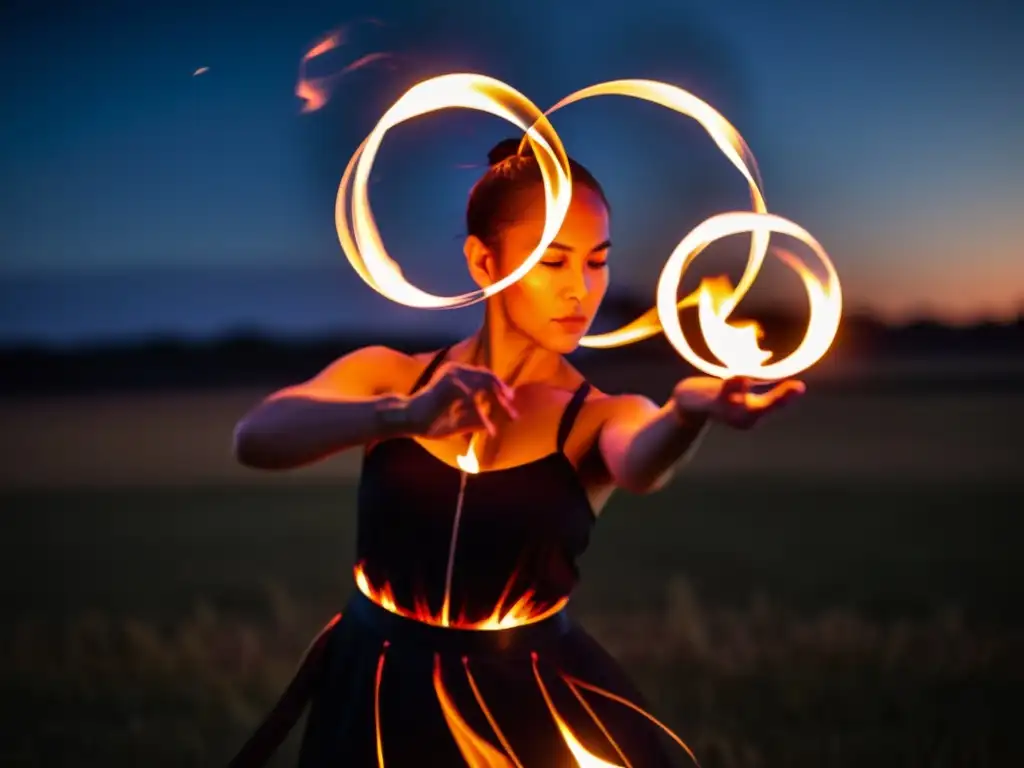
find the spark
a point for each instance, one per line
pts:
(315, 92)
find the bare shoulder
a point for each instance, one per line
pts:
(603, 407)
(601, 411)
(364, 372)
(390, 370)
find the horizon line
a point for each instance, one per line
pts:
(280, 336)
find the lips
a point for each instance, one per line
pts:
(573, 323)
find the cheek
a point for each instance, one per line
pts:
(597, 287)
(532, 293)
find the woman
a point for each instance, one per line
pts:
(456, 648)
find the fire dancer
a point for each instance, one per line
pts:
(456, 647)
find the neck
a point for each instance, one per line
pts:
(501, 347)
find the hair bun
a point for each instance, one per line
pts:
(505, 149)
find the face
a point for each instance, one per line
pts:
(555, 303)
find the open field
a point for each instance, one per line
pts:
(184, 439)
(771, 623)
(840, 588)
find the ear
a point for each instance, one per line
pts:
(481, 261)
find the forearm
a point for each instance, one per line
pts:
(290, 432)
(659, 446)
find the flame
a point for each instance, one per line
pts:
(357, 230)
(523, 611)
(735, 345)
(480, 753)
(583, 758)
(477, 751)
(468, 461)
(597, 721)
(487, 713)
(574, 683)
(376, 704)
(315, 91)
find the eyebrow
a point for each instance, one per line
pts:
(556, 246)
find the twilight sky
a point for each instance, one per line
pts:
(137, 198)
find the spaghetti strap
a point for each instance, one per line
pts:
(572, 410)
(429, 370)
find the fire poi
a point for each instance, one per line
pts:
(736, 346)
(485, 731)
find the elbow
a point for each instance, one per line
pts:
(629, 475)
(252, 447)
(641, 483)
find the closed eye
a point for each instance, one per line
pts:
(592, 263)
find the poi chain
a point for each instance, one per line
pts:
(736, 346)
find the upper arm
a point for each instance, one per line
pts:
(366, 372)
(625, 416)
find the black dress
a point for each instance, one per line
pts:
(455, 649)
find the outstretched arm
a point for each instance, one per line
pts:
(349, 403)
(642, 444)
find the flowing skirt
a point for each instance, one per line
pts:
(394, 692)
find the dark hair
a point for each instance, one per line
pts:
(492, 199)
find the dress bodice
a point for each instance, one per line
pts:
(490, 549)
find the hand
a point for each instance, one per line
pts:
(733, 401)
(460, 399)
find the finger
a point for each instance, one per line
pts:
(777, 396)
(507, 391)
(792, 387)
(498, 404)
(461, 386)
(474, 378)
(486, 381)
(482, 378)
(476, 405)
(504, 402)
(481, 405)
(490, 380)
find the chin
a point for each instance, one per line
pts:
(552, 340)
(563, 345)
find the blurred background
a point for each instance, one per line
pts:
(840, 587)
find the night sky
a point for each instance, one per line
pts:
(138, 198)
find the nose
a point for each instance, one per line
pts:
(577, 285)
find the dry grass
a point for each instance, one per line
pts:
(752, 686)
